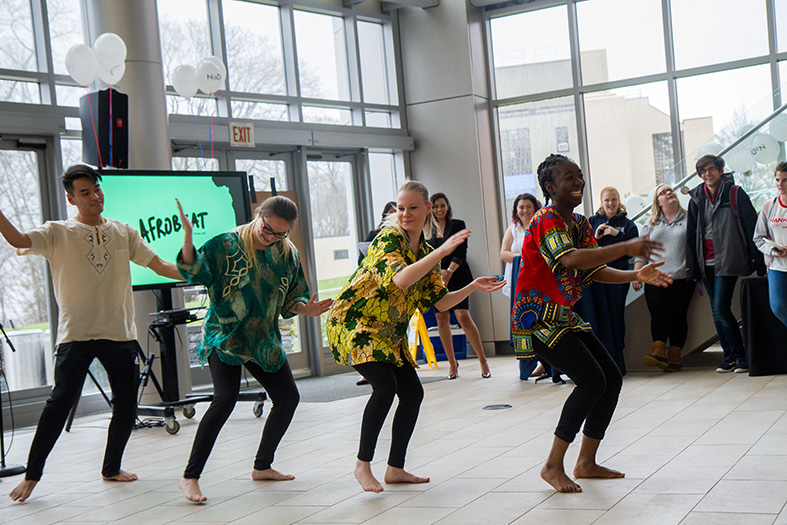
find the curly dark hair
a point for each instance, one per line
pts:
(526, 196)
(545, 172)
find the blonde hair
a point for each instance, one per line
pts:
(621, 206)
(392, 221)
(655, 210)
(276, 206)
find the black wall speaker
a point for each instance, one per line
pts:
(104, 116)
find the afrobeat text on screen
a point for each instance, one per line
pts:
(157, 228)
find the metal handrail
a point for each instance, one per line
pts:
(724, 150)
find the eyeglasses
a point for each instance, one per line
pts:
(666, 191)
(273, 233)
(703, 171)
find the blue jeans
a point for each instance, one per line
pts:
(777, 291)
(720, 289)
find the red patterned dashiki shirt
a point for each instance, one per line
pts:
(546, 291)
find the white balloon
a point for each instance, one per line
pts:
(81, 64)
(210, 75)
(184, 80)
(216, 60)
(764, 148)
(739, 159)
(743, 129)
(635, 204)
(778, 127)
(709, 148)
(110, 50)
(114, 75)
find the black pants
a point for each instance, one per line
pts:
(121, 361)
(284, 397)
(668, 309)
(387, 381)
(584, 359)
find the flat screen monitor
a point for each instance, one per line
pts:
(216, 202)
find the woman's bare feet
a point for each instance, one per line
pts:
(190, 489)
(556, 477)
(398, 475)
(22, 491)
(270, 474)
(363, 473)
(593, 470)
(122, 475)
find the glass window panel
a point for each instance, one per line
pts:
(322, 56)
(714, 31)
(384, 183)
(374, 66)
(18, 91)
(17, 48)
(527, 136)
(531, 52)
(198, 106)
(262, 171)
(69, 95)
(185, 33)
(629, 139)
(618, 42)
(259, 110)
(378, 119)
(320, 115)
(255, 60)
(195, 163)
(781, 25)
(23, 280)
(65, 30)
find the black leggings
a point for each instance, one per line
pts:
(284, 397)
(668, 309)
(388, 380)
(121, 362)
(584, 359)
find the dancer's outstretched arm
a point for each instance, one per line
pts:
(14, 237)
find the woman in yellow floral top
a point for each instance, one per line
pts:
(367, 325)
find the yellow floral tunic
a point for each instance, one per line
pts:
(369, 318)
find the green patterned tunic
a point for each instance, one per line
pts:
(242, 323)
(369, 318)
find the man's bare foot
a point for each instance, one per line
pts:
(122, 475)
(363, 473)
(270, 475)
(22, 491)
(190, 489)
(558, 479)
(398, 475)
(592, 470)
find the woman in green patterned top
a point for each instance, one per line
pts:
(253, 275)
(367, 325)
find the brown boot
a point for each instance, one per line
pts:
(673, 359)
(658, 356)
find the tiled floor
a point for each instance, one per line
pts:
(697, 447)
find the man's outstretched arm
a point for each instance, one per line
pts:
(165, 269)
(14, 237)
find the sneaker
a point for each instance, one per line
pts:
(726, 366)
(741, 366)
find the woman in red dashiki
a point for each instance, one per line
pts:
(560, 255)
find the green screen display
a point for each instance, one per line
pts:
(215, 202)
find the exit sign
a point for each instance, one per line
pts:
(241, 135)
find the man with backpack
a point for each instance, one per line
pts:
(719, 249)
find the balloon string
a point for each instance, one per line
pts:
(199, 142)
(98, 148)
(210, 132)
(111, 127)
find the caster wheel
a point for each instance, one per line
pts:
(189, 411)
(257, 409)
(172, 425)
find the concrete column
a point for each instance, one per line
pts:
(447, 104)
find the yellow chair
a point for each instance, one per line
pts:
(418, 331)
